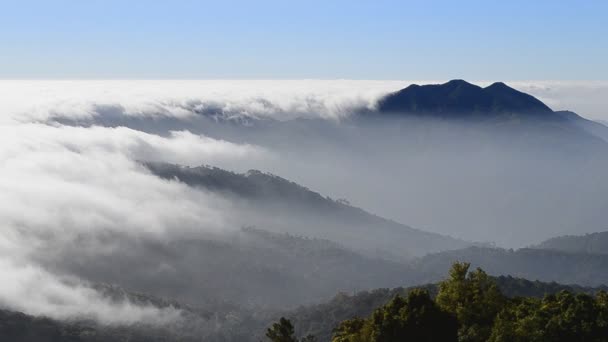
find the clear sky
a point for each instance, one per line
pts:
(476, 40)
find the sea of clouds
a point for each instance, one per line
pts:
(32, 100)
(60, 182)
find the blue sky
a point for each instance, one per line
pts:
(477, 40)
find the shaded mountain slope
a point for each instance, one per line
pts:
(249, 268)
(536, 264)
(594, 243)
(298, 210)
(597, 129)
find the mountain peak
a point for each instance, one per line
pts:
(458, 82)
(499, 85)
(459, 98)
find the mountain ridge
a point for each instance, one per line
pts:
(461, 99)
(592, 243)
(333, 219)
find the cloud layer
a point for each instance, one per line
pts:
(59, 184)
(27, 101)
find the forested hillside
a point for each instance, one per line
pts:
(594, 243)
(277, 204)
(530, 263)
(320, 320)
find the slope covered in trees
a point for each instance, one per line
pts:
(249, 268)
(320, 320)
(238, 324)
(594, 243)
(530, 263)
(277, 204)
(470, 306)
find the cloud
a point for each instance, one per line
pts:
(59, 183)
(28, 101)
(30, 289)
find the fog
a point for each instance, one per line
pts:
(73, 187)
(58, 184)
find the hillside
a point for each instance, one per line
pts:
(300, 211)
(594, 243)
(320, 320)
(250, 268)
(240, 326)
(535, 264)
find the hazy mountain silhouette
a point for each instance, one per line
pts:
(594, 243)
(531, 263)
(460, 99)
(597, 129)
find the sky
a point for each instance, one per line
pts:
(380, 39)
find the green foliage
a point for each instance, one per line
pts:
(561, 317)
(470, 307)
(474, 298)
(414, 318)
(352, 330)
(282, 331)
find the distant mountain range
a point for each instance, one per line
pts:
(530, 263)
(594, 243)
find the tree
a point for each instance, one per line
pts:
(281, 331)
(352, 330)
(474, 298)
(470, 307)
(561, 317)
(414, 318)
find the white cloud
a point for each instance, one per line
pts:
(39, 100)
(27, 288)
(59, 183)
(26, 101)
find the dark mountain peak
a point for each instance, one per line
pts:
(458, 83)
(515, 100)
(499, 86)
(458, 98)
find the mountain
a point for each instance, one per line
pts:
(284, 206)
(236, 324)
(458, 99)
(594, 243)
(250, 268)
(530, 263)
(320, 320)
(597, 129)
